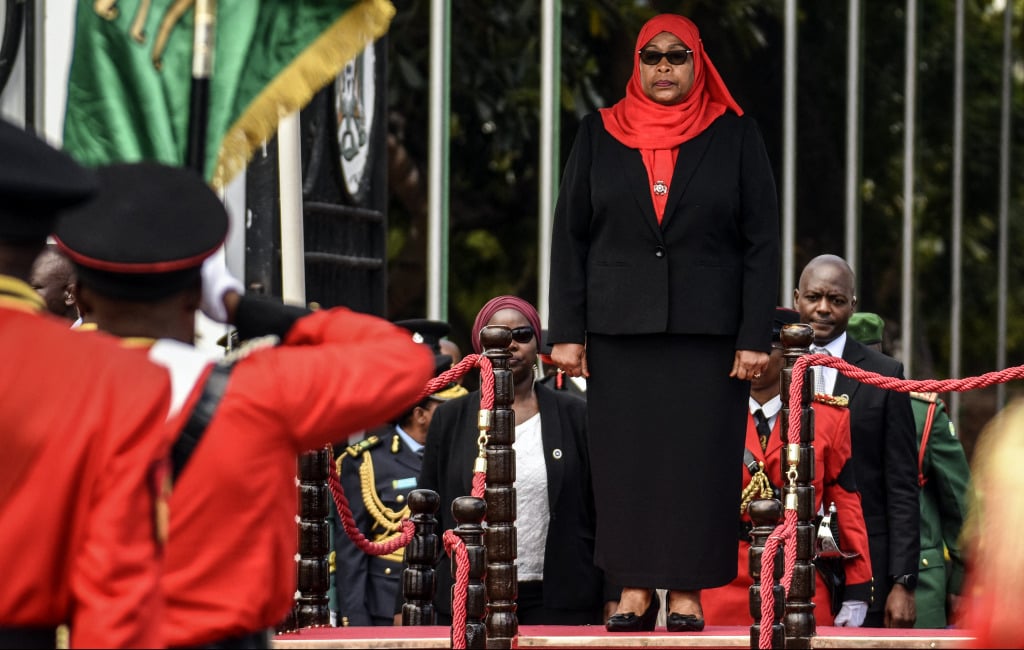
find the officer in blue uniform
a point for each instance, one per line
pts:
(377, 474)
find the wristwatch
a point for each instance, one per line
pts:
(908, 580)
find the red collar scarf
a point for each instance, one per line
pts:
(657, 130)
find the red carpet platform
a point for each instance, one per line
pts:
(547, 636)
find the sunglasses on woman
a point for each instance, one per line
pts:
(522, 334)
(675, 57)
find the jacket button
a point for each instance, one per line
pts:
(924, 561)
(659, 251)
(387, 571)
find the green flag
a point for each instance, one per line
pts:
(131, 71)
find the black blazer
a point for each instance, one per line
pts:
(710, 267)
(571, 581)
(885, 459)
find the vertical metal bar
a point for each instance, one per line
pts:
(789, 152)
(31, 56)
(909, 105)
(437, 165)
(956, 272)
(852, 212)
(1004, 198)
(293, 249)
(550, 84)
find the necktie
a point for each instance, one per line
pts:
(419, 452)
(819, 372)
(763, 430)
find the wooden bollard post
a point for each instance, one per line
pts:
(314, 580)
(501, 579)
(799, 620)
(766, 515)
(469, 514)
(419, 579)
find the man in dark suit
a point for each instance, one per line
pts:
(377, 474)
(883, 436)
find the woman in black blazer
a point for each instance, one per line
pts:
(664, 279)
(558, 582)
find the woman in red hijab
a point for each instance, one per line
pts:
(664, 279)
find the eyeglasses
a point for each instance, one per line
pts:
(522, 334)
(675, 57)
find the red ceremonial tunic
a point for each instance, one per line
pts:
(231, 555)
(729, 605)
(83, 434)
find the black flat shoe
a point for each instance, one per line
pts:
(684, 623)
(630, 622)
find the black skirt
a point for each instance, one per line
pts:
(667, 427)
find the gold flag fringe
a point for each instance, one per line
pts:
(295, 85)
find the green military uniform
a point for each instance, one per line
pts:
(944, 473)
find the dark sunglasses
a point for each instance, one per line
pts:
(522, 334)
(675, 57)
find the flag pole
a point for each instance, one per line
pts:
(204, 31)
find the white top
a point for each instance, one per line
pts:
(533, 511)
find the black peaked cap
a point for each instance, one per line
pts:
(429, 332)
(426, 331)
(146, 233)
(36, 183)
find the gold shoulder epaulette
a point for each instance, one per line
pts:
(363, 445)
(832, 400)
(925, 397)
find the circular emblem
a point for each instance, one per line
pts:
(557, 454)
(660, 188)
(354, 100)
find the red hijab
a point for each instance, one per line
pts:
(639, 122)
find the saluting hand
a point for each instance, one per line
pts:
(571, 358)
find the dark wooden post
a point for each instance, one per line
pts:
(766, 515)
(797, 477)
(501, 579)
(311, 606)
(469, 515)
(419, 579)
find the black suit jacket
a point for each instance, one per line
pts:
(885, 459)
(571, 581)
(710, 267)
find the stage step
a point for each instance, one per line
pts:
(551, 636)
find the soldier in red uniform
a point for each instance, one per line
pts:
(83, 441)
(833, 483)
(138, 250)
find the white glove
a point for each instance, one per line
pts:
(851, 614)
(217, 281)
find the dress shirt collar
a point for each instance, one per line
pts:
(408, 440)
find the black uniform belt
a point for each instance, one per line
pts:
(28, 637)
(251, 641)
